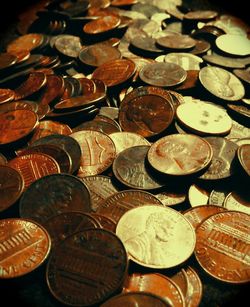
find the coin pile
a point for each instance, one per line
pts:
(125, 154)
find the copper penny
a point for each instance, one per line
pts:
(98, 54)
(222, 247)
(27, 42)
(117, 204)
(221, 166)
(7, 60)
(243, 154)
(11, 186)
(54, 194)
(171, 196)
(65, 142)
(35, 81)
(66, 224)
(19, 105)
(53, 90)
(3, 160)
(194, 292)
(24, 245)
(100, 188)
(180, 279)
(180, 154)
(190, 82)
(105, 222)
(238, 201)
(136, 299)
(176, 42)
(87, 268)
(163, 74)
(147, 111)
(21, 55)
(6, 95)
(114, 72)
(221, 83)
(68, 45)
(201, 15)
(98, 152)
(146, 44)
(242, 111)
(243, 74)
(157, 284)
(198, 214)
(34, 166)
(96, 125)
(201, 47)
(156, 236)
(130, 168)
(102, 24)
(15, 125)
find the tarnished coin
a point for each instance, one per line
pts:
(34, 166)
(221, 83)
(238, 201)
(162, 74)
(204, 118)
(190, 82)
(201, 15)
(198, 195)
(100, 188)
(186, 60)
(97, 150)
(194, 291)
(130, 168)
(198, 214)
(243, 154)
(146, 44)
(180, 154)
(223, 61)
(87, 268)
(54, 194)
(27, 42)
(105, 222)
(243, 74)
(201, 47)
(233, 44)
(3, 160)
(147, 111)
(15, 125)
(6, 95)
(11, 186)
(222, 247)
(170, 196)
(66, 224)
(19, 105)
(25, 245)
(224, 152)
(68, 45)
(157, 284)
(7, 60)
(156, 237)
(53, 90)
(180, 42)
(115, 72)
(102, 24)
(117, 204)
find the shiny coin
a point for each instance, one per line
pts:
(233, 44)
(243, 154)
(6, 95)
(194, 291)
(68, 45)
(198, 195)
(186, 60)
(102, 24)
(217, 197)
(156, 237)
(27, 42)
(7, 60)
(238, 201)
(180, 42)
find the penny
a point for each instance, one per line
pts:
(34, 166)
(217, 197)
(198, 214)
(233, 44)
(11, 186)
(98, 54)
(242, 141)
(15, 125)
(147, 111)
(115, 72)
(162, 74)
(198, 195)
(97, 150)
(130, 168)
(93, 262)
(157, 284)
(190, 82)
(21, 55)
(68, 45)
(105, 222)
(194, 292)
(201, 47)
(156, 237)
(180, 42)
(180, 154)
(106, 119)
(124, 140)
(110, 112)
(95, 125)
(171, 196)
(100, 187)
(53, 90)
(7, 60)
(146, 44)
(136, 299)
(238, 201)
(119, 203)
(221, 166)
(25, 245)
(35, 81)
(222, 247)
(27, 42)
(201, 15)
(65, 142)
(223, 61)
(66, 224)
(3, 160)
(243, 154)
(221, 83)
(60, 155)
(19, 105)
(243, 74)
(185, 60)
(6, 95)
(242, 111)
(180, 279)
(102, 24)
(123, 2)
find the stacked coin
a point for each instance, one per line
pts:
(124, 149)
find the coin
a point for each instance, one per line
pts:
(11, 186)
(223, 61)
(194, 292)
(179, 42)
(222, 246)
(233, 44)
(100, 187)
(68, 45)
(7, 60)
(102, 24)
(180, 154)
(185, 60)
(217, 197)
(180, 279)
(198, 195)
(201, 15)
(53, 90)
(25, 245)
(243, 74)
(6, 95)
(3, 160)
(15, 125)
(156, 237)
(19, 105)
(238, 201)
(147, 111)
(242, 111)
(201, 47)
(198, 214)
(130, 168)
(105, 222)
(162, 74)
(243, 154)
(119, 203)
(114, 72)
(171, 196)
(221, 83)
(87, 268)
(97, 150)
(27, 42)
(145, 44)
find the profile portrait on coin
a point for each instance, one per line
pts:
(151, 245)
